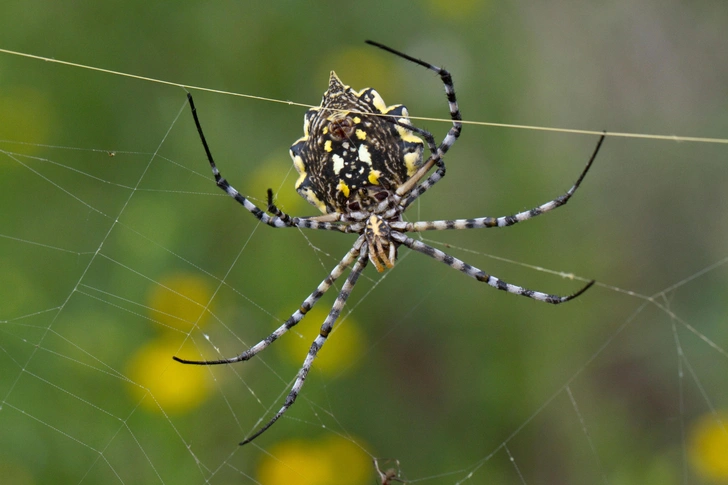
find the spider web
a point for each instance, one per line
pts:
(118, 252)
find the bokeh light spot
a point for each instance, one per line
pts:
(708, 446)
(26, 116)
(179, 302)
(331, 460)
(175, 388)
(344, 346)
(359, 67)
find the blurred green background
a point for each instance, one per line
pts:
(114, 240)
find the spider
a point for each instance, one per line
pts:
(360, 162)
(389, 475)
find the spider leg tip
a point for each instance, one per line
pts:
(586, 287)
(578, 293)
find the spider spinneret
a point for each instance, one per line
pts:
(360, 162)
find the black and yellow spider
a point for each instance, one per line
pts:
(360, 163)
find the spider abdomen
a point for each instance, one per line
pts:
(349, 151)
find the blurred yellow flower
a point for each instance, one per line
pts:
(166, 385)
(360, 67)
(343, 348)
(332, 460)
(15, 473)
(26, 116)
(179, 301)
(708, 446)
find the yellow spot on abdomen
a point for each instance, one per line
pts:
(310, 196)
(361, 134)
(374, 177)
(327, 146)
(412, 162)
(343, 188)
(300, 168)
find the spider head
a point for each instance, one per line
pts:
(382, 250)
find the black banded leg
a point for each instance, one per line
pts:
(317, 343)
(505, 220)
(479, 275)
(450, 138)
(306, 222)
(446, 78)
(420, 189)
(224, 185)
(273, 209)
(307, 304)
(435, 159)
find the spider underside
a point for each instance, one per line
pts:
(361, 164)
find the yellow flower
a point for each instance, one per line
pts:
(343, 348)
(163, 384)
(708, 446)
(331, 460)
(179, 301)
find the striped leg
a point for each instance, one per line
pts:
(325, 221)
(505, 220)
(317, 343)
(452, 134)
(276, 220)
(427, 184)
(307, 304)
(435, 159)
(479, 275)
(446, 78)
(273, 209)
(273, 221)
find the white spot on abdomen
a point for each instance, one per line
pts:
(364, 155)
(338, 163)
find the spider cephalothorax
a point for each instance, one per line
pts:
(382, 249)
(350, 160)
(360, 163)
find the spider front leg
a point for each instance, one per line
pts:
(435, 159)
(273, 209)
(224, 185)
(447, 142)
(324, 221)
(318, 342)
(503, 221)
(279, 218)
(480, 275)
(297, 316)
(446, 78)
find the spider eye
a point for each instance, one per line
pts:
(381, 196)
(354, 206)
(341, 128)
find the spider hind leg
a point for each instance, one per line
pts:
(317, 343)
(481, 275)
